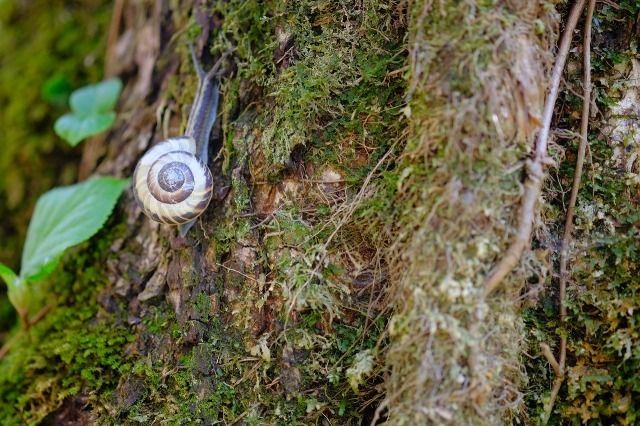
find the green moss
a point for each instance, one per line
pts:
(327, 68)
(601, 386)
(183, 386)
(328, 76)
(338, 92)
(69, 352)
(203, 307)
(241, 195)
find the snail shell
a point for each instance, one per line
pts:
(171, 184)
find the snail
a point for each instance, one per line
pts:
(172, 182)
(173, 185)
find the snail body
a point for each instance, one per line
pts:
(172, 182)
(172, 185)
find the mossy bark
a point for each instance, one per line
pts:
(270, 311)
(368, 160)
(478, 77)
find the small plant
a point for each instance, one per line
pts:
(66, 216)
(92, 111)
(63, 217)
(56, 91)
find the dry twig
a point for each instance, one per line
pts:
(546, 351)
(533, 184)
(559, 366)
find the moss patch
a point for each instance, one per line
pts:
(313, 106)
(69, 353)
(601, 386)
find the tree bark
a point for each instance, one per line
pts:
(368, 161)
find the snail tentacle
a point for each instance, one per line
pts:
(196, 62)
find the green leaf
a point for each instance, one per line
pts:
(64, 217)
(16, 291)
(56, 90)
(8, 276)
(92, 113)
(97, 98)
(74, 129)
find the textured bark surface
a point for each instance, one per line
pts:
(368, 164)
(269, 311)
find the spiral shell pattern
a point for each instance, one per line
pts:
(171, 184)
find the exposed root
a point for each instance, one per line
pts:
(40, 314)
(559, 366)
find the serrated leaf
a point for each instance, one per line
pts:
(96, 99)
(64, 217)
(74, 129)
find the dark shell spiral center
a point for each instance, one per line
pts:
(173, 183)
(172, 176)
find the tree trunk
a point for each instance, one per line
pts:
(368, 164)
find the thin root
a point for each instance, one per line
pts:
(559, 366)
(533, 184)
